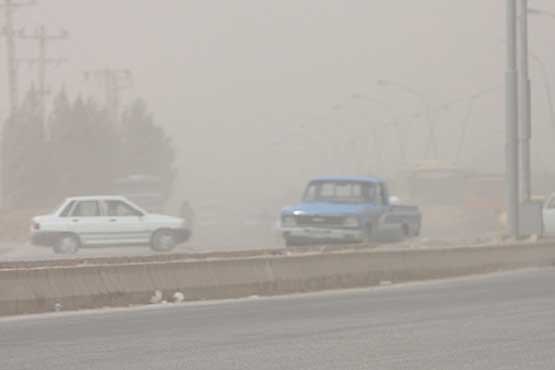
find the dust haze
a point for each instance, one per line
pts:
(260, 96)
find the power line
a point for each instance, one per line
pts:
(9, 32)
(43, 38)
(114, 82)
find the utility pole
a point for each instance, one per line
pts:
(42, 37)
(114, 81)
(511, 131)
(525, 110)
(9, 32)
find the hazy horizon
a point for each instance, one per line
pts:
(258, 95)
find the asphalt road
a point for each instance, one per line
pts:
(504, 321)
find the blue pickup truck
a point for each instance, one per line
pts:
(348, 210)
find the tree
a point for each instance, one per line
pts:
(84, 151)
(103, 141)
(59, 155)
(83, 147)
(23, 155)
(145, 147)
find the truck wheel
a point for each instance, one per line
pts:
(67, 244)
(163, 241)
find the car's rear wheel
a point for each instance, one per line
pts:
(163, 241)
(67, 244)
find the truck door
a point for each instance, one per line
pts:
(386, 224)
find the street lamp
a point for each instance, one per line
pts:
(524, 105)
(525, 101)
(371, 132)
(546, 13)
(518, 83)
(432, 144)
(511, 130)
(547, 85)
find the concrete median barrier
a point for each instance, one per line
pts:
(32, 290)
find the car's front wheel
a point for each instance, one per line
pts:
(67, 244)
(163, 241)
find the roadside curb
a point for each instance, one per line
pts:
(45, 289)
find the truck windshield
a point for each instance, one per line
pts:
(342, 192)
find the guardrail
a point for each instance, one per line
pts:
(44, 289)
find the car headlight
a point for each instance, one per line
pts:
(351, 222)
(288, 221)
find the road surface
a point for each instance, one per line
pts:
(504, 321)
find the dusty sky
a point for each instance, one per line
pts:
(258, 94)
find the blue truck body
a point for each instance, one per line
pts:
(347, 209)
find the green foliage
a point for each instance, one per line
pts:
(145, 148)
(83, 153)
(23, 150)
(82, 147)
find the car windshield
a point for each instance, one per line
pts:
(58, 207)
(341, 192)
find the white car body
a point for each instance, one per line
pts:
(549, 216)
(105, 220)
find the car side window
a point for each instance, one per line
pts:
(118, 208)
(88, 208)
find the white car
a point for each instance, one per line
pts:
(549, 216)
(105, 221)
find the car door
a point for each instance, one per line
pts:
(126, 223)
(86, 220)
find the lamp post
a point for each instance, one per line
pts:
(524, 108)
(546, 13)
(547, 85)
(511, 130)
(431, 145)
(392, 122)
